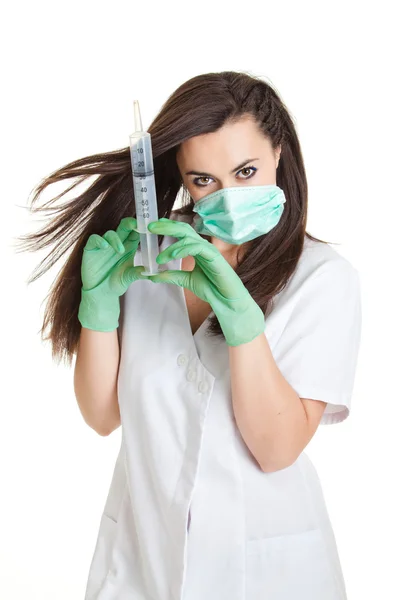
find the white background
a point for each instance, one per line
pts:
(70, 73)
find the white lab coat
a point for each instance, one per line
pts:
(190, 515)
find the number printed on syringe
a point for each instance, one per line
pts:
(140, 180)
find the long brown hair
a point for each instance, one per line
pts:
(200, 105)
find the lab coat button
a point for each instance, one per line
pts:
(181, 360)
(191, 375)
(203, 387)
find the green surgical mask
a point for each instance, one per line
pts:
(239, 214)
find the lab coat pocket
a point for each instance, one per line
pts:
(290, 566)
(101, 560)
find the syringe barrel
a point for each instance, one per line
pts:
(145, 196)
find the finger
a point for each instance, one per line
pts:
(177, 229)
(202, 250)
(214, 266)
(169, 253)
(113, 239)
(95, 242)
(179, 278)
(126, 229)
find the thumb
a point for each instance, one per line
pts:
(180, 278)
(132, 274)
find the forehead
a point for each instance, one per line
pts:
(230, 144)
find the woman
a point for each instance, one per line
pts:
(220, 368)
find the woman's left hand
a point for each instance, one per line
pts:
(212, 279)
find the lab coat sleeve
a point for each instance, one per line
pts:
(318, 349)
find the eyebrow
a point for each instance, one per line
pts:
(242, 164)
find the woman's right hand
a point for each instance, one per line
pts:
(107, 271)
(109, 258)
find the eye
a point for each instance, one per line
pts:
(249, 168)
(197, 179)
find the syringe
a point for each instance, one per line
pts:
(145, 192)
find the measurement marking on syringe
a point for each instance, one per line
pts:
(143, 175)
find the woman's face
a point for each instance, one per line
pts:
(210, 161)
(238, 154)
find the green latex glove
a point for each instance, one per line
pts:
(212, 279)
(107, 271)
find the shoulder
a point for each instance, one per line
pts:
(321, 271)
(320, 259)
